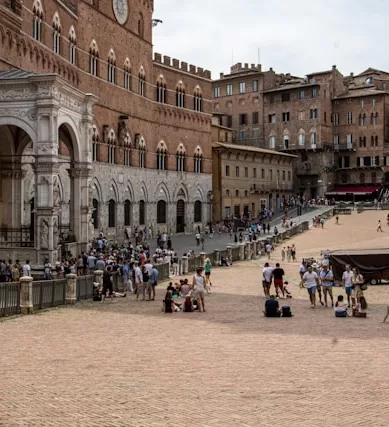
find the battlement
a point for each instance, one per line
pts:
(239, 67)
(181, 66)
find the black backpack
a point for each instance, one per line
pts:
(286, 311)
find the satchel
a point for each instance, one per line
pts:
(363, 287)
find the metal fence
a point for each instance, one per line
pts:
(163, 271)
(16, 237)
(235, 253)
(9, 298)
(194, 263)
(48, 293)
(84, 287)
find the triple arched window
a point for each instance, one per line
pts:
(56, 34)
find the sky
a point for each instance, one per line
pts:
(297, 37)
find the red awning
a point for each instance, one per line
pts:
(358, 191)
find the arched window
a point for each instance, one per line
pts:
(95, 143)
(56, 34)
(362, 119)
(127, 74)
(180, 95)
(72, 45)
(37, 11)
(236, 193)
(197, 100)
(93, 59)
(161, 156)
(112, 67)
(112, 147)
(161, 90)
(141, 153)
(112, 213)
(142, 82)
(301, 139)
(127, 212)
(141, 26)
(161, 212)
(142, 213)
(313, 139)
(198, 211)
(127, 148)
(180, 158)
(95, 214)
(198, 160)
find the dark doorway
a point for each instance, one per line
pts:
(180, 219)
(95, 214)
(142, 212)
(32, 220)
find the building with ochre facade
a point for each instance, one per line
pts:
(97, 132)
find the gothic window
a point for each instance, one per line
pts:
(142, 212)
(95, 214)
(180, 158)
(161, 156)
(93, 59)
(37, 11)
(142, 82)
(72, 45)
(111, 147)
(56, 34)
(180, 95)
(198, 159)
(141, 29)
(197, 100)
(111, 67)
(161, 90)
(127, 74)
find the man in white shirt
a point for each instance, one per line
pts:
(267, 274)
(311, 280)
(138, 276)
(26, 269)
(347, 284)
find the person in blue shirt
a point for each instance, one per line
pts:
(152, 283)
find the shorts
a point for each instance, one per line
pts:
(327, 288)
(199, 294)
(266, 284)
(348, 289)
(278, 283)
(207, 274)
(312, 290)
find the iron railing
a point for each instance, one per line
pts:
(9, 298)
(84, 287)
(49, 293)
(16, 237)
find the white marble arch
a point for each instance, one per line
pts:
(162, 193)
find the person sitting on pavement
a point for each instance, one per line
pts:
(168, 305)
(272, 308)
(185, 288)
(360, 309)
(188, 304)
(340, 309)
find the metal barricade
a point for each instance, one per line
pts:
(9, 298)
(84, 287)
(48, 293)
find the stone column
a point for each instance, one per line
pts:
(252, 250)
(98, 277)
(80, 202)
(202, 258)
(71, 288)
(247, 250)
(217, 256)
(185, 265)
(229, 253)
(241, 251)
(26, 301)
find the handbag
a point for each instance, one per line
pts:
(363, 287)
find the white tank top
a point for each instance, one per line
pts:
(199, 282)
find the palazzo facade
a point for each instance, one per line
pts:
(97, 132)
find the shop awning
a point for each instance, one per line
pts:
(358, 191)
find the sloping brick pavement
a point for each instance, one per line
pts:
(128, 364)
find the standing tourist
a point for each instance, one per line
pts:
(379, 225)
(311, 280)
(357, 280)
(347, 283)
(207, 271)
(198, 285)
(327, 281)
(267, 275)
(278, 275)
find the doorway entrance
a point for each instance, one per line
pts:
(180, 216)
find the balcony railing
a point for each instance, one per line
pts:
(344, 147)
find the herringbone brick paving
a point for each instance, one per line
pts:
(128, 364)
